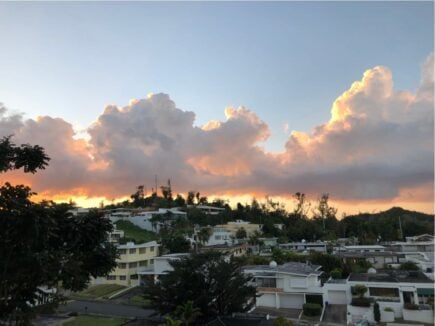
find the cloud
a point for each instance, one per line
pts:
(377, 142)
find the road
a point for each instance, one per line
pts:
(104, 308)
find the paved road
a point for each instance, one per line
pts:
(105, 308)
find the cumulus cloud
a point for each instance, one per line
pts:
(377, 142)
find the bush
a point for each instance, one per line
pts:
(336, 273)
(281, 321)
(312, 309)
(359, 290)
(360, 302)
(411, 306)
(389, 309)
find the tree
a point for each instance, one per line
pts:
(187, 312)
(138, 196)
(190, 197)
(204, 234)
(42, 244)
(175, 243)
(241, 234)
(360, 290)
(215, 286)
(179, 201)
(376, 312)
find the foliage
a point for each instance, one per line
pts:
(214, 285)
(359, 290)
(171, 322)
(336, 273)
(175, 243)
(42, 244)
(241, 234)
(187, 312)
(312, 309)
(376, 312)
(282, 321)
(408, 266)
(314, 298)
(389, 309)
(134, 233)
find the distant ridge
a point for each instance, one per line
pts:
(386, 224)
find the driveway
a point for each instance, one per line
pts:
(105, 308)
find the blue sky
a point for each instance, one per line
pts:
(286, 61)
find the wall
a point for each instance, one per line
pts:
(422, 316)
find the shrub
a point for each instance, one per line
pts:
(312, 309)
(411, 306)
(389, 309)
(336, 273)
(409, 266)
(376, 312)
(360, 302)
(359, 290)
(281, 321)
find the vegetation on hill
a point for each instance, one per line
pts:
(135, 233)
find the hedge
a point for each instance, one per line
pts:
(360, 302)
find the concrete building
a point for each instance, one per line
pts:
(208, 210)
(133, 258)
(287, 285)
(304, 246)
(233, 227)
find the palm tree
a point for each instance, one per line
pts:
(203, 235)
(171, 322)
(187, 312)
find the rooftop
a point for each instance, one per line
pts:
(394, 276)
(290, 268)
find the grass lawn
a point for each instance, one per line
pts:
(95, 321)
(138, 300)
(97, 291)
(134, 232)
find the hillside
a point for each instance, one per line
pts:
(386, 224)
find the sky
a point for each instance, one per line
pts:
(234, 99)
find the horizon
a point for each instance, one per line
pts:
(234, 100)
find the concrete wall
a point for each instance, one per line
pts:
(422, 316)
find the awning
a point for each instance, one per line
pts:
(425, 291)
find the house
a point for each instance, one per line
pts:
(361, 248)
(382, 259)
(233, 227)
(230, 250)
(220, 236)
(154, 220)
(286, 286)
(303, 246)
(133, 258)
(208, 210)
(161, 266)
(397, 290)
(116, 235)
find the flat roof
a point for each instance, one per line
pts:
(132, 245)
(290, 268)
(394, 276)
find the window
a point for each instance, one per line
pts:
(122, 278)
(132, 265)
(122, 265)
(122, 251)
(143, 263)
(217, 237)
(133, 251)
(111, 277)
(142, 250)
(151, 249)
(134, 277)
(266, 282)
(151, 261)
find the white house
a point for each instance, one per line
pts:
(287, 285)
(302, 246)
(161, 266)
(208, 210)
(363, 248)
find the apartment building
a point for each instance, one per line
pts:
(133, 258)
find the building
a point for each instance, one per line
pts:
(162, 265)
(208, 210)
(116, 235)
(230, 250)
(361, 248)
(382, 259)
(233, 227)
(133, 258)
(286, 286)
(304, 246)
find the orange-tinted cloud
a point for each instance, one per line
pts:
(377, 144)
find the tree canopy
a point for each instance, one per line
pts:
(41, 244)
(214, 285)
